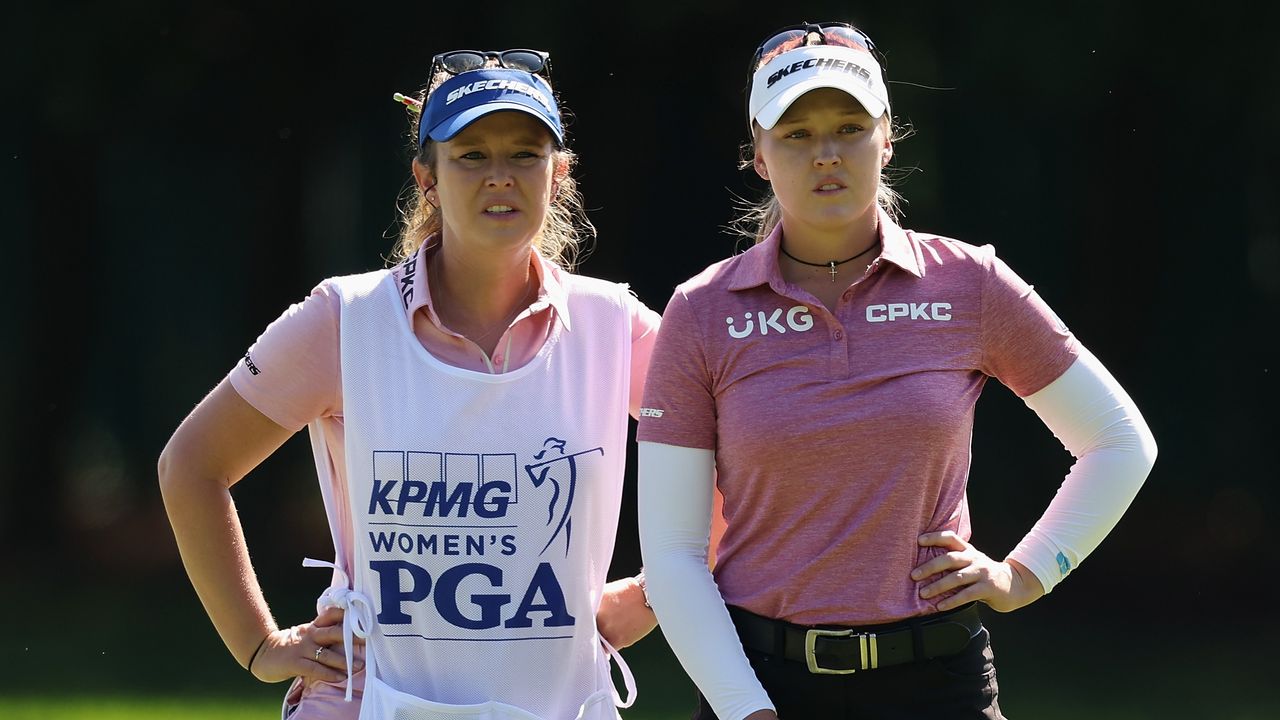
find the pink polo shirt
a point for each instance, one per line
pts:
(841, 436)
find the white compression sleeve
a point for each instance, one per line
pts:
(1098, 423)
(674, 501)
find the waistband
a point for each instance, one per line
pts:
(834, 650)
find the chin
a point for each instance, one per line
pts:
(513, 235)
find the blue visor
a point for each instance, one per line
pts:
(469, 96)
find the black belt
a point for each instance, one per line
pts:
(832, 650)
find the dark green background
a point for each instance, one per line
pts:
(175, 174)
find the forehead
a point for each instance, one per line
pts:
(504, 125)
(824, 100)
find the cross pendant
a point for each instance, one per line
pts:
(832, 270)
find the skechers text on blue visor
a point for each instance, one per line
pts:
(469, 96)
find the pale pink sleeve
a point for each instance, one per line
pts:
(291, 373)
(644, 333)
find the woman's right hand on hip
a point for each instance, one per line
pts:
(312, 650)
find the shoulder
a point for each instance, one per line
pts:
(584, 287)
(588, 285)
(716, 278)
(938, 251)
(348, 287)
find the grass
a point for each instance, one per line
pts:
(119, 652)
(135, 708)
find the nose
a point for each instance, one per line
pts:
(500, 174)
(827, 155)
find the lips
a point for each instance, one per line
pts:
(499, 209)
(829, 185)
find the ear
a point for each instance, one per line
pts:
(423, 176)
(887, 154)
(757, 162)
(559, 171)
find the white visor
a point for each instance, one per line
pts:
(795, 72)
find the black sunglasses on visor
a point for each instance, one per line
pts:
(829, 33)
(460, 61)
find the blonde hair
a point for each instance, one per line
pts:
(758, 219)
(565, 233)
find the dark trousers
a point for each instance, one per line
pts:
(957, 687)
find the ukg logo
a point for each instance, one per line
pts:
(797, 319)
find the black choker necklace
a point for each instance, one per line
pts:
(830, 264)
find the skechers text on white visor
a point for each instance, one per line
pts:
(793, 73)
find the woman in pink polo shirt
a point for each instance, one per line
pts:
(825, 382)
(468, 413)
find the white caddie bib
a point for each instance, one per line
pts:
(485, 509)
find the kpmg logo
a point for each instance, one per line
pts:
(432, 484)
(891, 312)
(819, 64)
(426, 508)
(510, 85)
(797, 319)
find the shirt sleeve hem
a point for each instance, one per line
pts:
(242, 389)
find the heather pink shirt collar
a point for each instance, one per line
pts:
(551, 291)
(759, 265)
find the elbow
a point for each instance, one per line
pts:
(169, 469)
(1149, 449)
(1142, 443)
(164, 468)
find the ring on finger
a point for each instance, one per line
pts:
(318, 651)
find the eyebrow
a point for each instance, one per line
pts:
(521, 140)
(531, 139)
(804, 117)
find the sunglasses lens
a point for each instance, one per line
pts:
(832, 34)
(783, 41)
(523, 60)
(460, 62)
(847, 36)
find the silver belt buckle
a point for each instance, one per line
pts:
(868, 649)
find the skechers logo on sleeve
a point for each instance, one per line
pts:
(890, 312)
(650, 412)
(797, 319)
(510, 85)
(248, 362)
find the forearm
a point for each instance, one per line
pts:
(1099, 424)
(623, 619)
(675, 503)
(212, 545)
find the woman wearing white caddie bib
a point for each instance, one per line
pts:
(468, 413)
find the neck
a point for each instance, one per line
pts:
(474, 290)
(822, 244)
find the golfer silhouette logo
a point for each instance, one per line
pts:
(561, 470)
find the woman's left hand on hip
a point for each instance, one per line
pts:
(971, 575)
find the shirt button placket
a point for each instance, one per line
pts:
(839, 352)
(840, 337)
